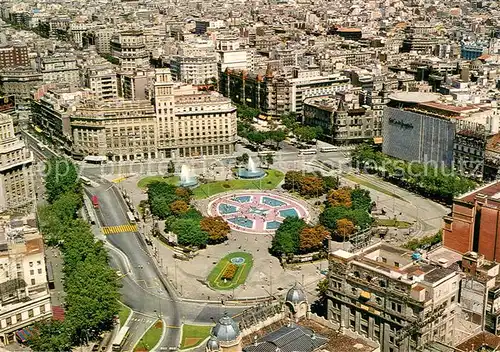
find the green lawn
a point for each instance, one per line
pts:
(193, 335)
(393, 223)
(123, 314)
(150, 338)
(371, 185)
(270, 181)
(241, 274)
(144, 182)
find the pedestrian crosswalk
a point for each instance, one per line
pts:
(109, 230)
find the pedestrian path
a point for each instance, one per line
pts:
(109, 230)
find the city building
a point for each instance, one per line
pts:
(24, 298)
(102, 81)
(130, 49)
(13, 54)
(192, 123)
(17, 189)
(59, 69)
(473, 223)
(19, 82)
(195, 63)
(120, 130)
(102, 40)
(392, 296)
(346, 117)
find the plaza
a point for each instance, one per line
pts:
(256, 212)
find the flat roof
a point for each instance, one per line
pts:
(414, 97)
(489, 190)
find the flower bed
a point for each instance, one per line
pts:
(229, 272)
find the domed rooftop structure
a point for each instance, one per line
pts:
(296, 295)
(226, 329)
(213, 344)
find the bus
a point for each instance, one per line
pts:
(308, 152)
(328, 149)
(86, 181)
(95, 202)
(267, 152)
(131, 217)
(120, 339)
(41, 146)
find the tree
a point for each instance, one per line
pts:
(312, 238)
(61, 177)
(330, 216)
(345, 228)
(287, 237)
(311, 186)
(50, 336)
(189, 233)
(331, 182)
(307, 133)
(322, 289)
(184, 193)
(179, 207)
(247, 113)
(292, 180)
(361, 199)
(257, 138)
(277, 136)
(340, 197)
(269, 158)
(170, 167)
(216, 227)
(290, 121)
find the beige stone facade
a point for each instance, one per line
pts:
(192, 123)
(119, 130)
(16, 170)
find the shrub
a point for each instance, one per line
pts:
(229, 271)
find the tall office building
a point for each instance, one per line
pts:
(130, 49)
(16, 170)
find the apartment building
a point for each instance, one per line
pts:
(24, 297)
(129, 48)
(233, 55)
(102, 40)
(192, 123)
(59, 69)
(392, 296)
(195, 63)
(13, 55)
(17, 189)
(102, 81)
(121, 130)
(19, 82)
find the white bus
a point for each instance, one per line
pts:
(86, 181)
(328, 149)
(131, 217)
(267, 152)
(119, 340)
(308, 152)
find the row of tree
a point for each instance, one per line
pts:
(431, 181)
(91, 286)
(294, 236)
(173, 204)
(308, 184)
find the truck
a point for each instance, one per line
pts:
(95, 202)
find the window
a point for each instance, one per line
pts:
(31, 264)
(39, 271)
(18, 317)
(32, 281)
(8, 321)
(42, 309)
(32, 272)
(396, 264)
(30, 313)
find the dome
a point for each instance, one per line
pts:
(213, 344)
(226, 329)
(296, 295)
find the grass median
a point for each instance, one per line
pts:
(150, 338)
(194, 335)
(123, 314)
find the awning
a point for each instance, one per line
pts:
(25, 334)
(365, 294)
(378, 140)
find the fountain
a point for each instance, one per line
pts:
(251, 171)
(187, 177)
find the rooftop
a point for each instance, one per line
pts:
(414, 97)
(491, 190)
